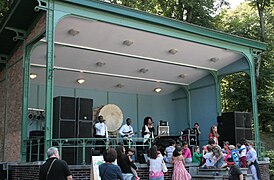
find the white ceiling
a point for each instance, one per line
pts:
(122, 62)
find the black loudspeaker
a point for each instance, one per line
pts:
(69, 154)
(84, 117)
(64, 117)
(234, 126)
(163, 142)
(36, 147)
(88, 154)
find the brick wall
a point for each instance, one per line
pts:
(11, 150)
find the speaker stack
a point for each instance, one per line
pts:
(233, 126)
(72, 118)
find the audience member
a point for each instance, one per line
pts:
(125, 163)
(155, 161)
(186, 153)
(107, 170)
(214, 134)
(251, 158)
(169, 151)
(197, 130)
(234, 172)
(197, 156)
(217, 152)
(179, 170)
(242, 153)
(54, 168)
(208, 156)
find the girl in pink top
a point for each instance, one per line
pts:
(214, 134)
(186, 153)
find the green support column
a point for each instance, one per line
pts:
(26, 67)
(218, 92)
(186, 89)
(49, 74)
(255, 105)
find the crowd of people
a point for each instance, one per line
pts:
(232, 157)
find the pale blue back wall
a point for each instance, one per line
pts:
(171, 107)
(203, 105)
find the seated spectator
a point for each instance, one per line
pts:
(208, 156)
(197, 156)
(217, 152)
(186, 153)
(234, 172)
(169, 151)
(125, 163)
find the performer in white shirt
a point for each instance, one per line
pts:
(126, 131)
(101, 132)
(101, 128)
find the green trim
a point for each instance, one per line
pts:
(178, 99)
(50, 29)
(189, 110)
(26, 71)
(167, 22)
(218, 92)
(201, 87)
(137, 110)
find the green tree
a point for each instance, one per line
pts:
(4, 7)
(193, 11)
(244, 21)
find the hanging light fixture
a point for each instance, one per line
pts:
(158, 89)
(81, 81)
(33, 75)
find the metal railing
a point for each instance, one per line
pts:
(35, 146)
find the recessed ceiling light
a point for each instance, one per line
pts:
(32, 76)
(119, 85)
(173, 51)
(128, 42)
(143, 70)
(81, 81)
(214, 59)
(182, 76)
(100, 64)
(73, 32)
(158, 89)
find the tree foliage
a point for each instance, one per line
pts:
(244, 21)
(4, 7)
(193, 11)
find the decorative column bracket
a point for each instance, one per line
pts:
(20, 34)
(42, 5)
(3, 59)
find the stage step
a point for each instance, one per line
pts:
(213, 171)
(206, 177)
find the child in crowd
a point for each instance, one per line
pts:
(125, 163)
(186, 153)
(130, 153)
(179, 170)
(107, 170)
(197, 156)
(214, 134)
(208, 156)
(242, 153)
(169, 151)
(217, 152)
(155, 161)
(224, 149)
(234, 172)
